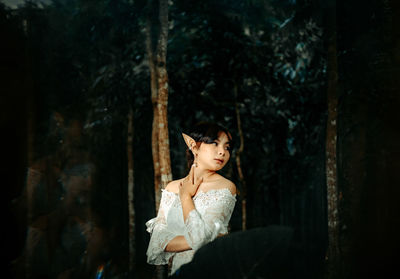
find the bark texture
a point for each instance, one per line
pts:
(159, 96)
(162, 103)
(154, 101)
(238, 161)
(333, 253)
(131, 188)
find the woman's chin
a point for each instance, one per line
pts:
(218, 168)
(213, 168)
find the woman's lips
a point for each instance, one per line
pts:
(219, 161)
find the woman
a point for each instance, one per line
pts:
(196, 209)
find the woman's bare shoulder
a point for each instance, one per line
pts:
(223, 182)
(230, 185)
(173, 186)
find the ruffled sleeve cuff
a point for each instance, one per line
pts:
(160, 238)
(150, 225)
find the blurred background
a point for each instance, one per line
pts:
(308, 88)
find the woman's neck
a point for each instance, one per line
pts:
(205, 173)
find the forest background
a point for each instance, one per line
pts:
(309, 90)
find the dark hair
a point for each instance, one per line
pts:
(206, 132)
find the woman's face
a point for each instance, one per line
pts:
(215, 155)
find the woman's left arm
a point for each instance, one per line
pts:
(178, 244)
(203, 228)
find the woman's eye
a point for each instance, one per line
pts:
(214, 142)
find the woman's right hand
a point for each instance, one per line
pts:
(188, 186)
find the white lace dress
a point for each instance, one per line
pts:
(203, 224)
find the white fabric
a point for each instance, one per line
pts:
(213, 210)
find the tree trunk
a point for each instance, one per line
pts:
(369, 138)
(30, 117)
(131, 185)
(162, 78)
(333, 253)
(238, 162)
(159, 97)
(154, 101)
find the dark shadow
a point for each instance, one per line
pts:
(268, 252)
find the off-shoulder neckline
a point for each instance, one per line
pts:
(201, 192)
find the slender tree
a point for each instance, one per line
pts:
(333, 252)
(238, 160)
(162, 105)
(159, 96)
(154, 94)
(131, 188)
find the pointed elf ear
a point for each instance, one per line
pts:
(189, 141)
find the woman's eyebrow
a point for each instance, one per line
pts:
(228, 142)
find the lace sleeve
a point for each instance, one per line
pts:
(203, 228)
(160, 235)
